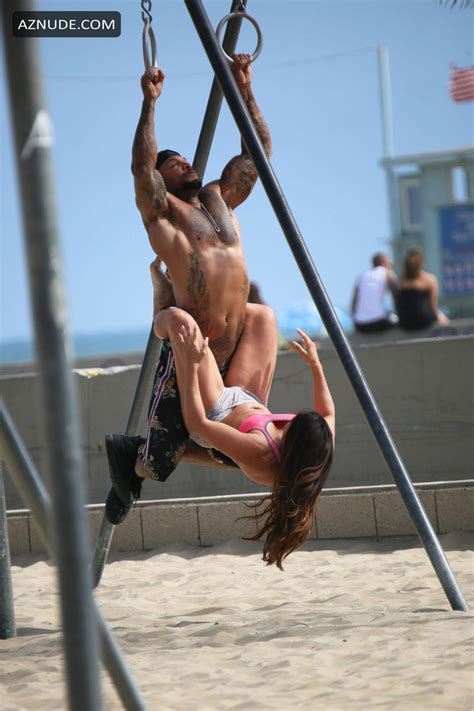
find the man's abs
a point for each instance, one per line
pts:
(213, 288)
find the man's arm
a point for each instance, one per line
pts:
(240, 175)
(392, 282)
(354, 300)
(150, 190)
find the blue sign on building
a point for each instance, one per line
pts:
(457, 245)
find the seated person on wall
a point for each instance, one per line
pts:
(417, 299)
(368, 309)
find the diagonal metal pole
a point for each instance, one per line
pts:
(7, 609)
(34, 494)
(150, 359)
(321, 299)
(33, 142)
(147, 372)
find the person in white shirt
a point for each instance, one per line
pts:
(369, 303)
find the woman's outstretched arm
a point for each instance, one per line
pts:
(323, 402)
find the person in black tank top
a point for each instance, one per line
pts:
(417, 298)
(414, 309)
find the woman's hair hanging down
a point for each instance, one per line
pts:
(413, 263)
(306, 457)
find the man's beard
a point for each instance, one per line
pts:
(195, 184)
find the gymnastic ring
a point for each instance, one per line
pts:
(254, 22)
(150, 62)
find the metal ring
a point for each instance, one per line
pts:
(254, 22)
(148, 34)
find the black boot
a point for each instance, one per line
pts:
(122, 454)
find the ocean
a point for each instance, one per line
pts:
(89, 344)
(302, 314)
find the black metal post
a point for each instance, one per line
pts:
(33, 143)
(154, 344)
(214, 103)
(145, 379)
(321, 299)
(7, 610)
(34, 495)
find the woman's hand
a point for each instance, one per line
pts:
(306, 349)
(194, 347)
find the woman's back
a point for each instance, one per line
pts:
(414, 302)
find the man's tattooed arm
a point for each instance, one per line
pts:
(240, 175)
(150, 191)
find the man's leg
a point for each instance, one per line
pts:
(163, 296)
(158, 454)
(168, 324)
(253, 362)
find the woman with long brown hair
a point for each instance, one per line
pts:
(417, 298)
(292, 454)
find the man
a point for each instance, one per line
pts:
(194, 231)
(370, 294)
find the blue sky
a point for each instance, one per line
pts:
(316, 82)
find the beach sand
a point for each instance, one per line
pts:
(348, 625)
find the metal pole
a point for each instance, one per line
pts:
(214, 103)
(7, 610)
(385, 100)
(34, 494)
(320, 297)
(147, 373)
(387, 136)
(33, 140)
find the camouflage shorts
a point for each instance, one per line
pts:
(166, 434)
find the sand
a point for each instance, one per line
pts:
(348, 625)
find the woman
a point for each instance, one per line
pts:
(290, 453)
(417, 299)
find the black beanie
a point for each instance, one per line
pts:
(164, 155)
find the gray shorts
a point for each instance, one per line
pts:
(230, 398)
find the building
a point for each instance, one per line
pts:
(431, 197)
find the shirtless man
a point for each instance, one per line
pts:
(194, 231)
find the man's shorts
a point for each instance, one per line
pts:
(166, 434)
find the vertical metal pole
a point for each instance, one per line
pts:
(147, 373)
(33, 139)
(385, 100)
(7, 610)
(387, 137)
(34, 495)
(325, 308)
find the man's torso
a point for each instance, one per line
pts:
(207, 267)
(371, 294)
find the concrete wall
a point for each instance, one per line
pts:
(424, 389)
(366, 512)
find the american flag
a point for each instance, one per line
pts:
(461, 85)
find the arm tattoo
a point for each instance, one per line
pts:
(240, 173)
(259, 122)
(144, 149)
(144, 154)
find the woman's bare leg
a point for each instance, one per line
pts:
(253, 363)
(168, 324)
(163, 296)
(441, 317)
